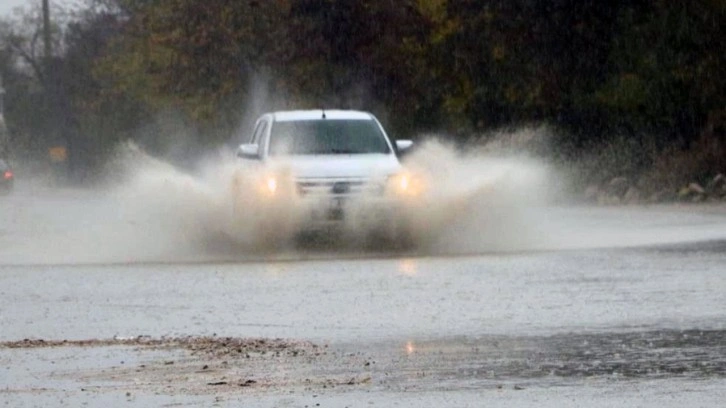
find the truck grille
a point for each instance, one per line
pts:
(335, 187)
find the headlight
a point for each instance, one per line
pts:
(405, 184)
(269, 186)
(276, 183)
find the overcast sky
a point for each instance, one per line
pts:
(7, 6)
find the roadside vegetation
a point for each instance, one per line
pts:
(632, 90)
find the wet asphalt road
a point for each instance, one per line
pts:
(602, 322)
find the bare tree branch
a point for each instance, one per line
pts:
(29, 58)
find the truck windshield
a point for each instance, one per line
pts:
(327, 136)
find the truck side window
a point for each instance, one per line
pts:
(259, 131)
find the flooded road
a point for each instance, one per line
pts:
(611, 307)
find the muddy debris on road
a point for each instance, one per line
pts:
(209, 345)
(190, 365)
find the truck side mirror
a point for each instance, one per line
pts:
(248, 151)
(403, 145)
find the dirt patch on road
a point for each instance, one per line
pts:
(185, 365)
(210, 345)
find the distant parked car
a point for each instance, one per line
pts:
(7, 177)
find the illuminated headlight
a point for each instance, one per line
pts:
(269, 186)
(405, 184)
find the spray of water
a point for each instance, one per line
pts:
(152, 211)
(471, 202)
(478, 199)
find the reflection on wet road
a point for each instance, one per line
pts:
(560, 359)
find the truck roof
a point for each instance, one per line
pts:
(315, 114)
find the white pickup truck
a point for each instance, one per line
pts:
(333, 168)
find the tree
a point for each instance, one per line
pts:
(667, 69)
(193, 55)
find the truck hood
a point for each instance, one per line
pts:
(339, 166)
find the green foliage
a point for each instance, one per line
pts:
(667, 68)
(192, 55)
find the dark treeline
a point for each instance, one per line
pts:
(647, 71)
